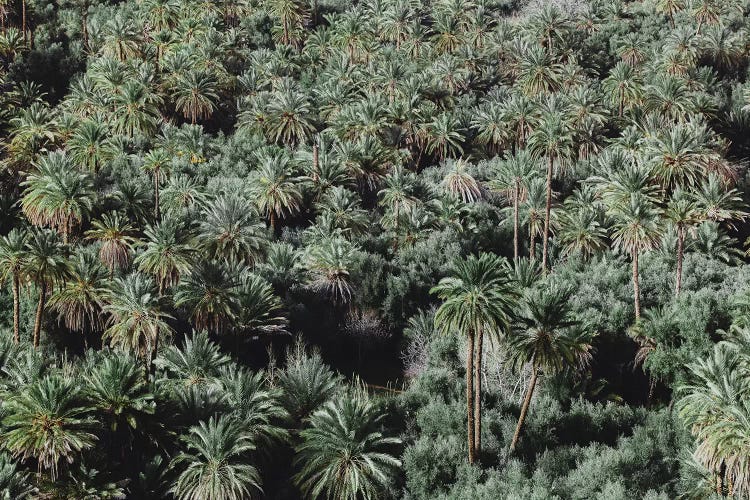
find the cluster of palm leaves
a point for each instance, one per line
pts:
(213, 428)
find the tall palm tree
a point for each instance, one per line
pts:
(553, 140)
(137, 318)
(115, 235)
(45, 266)
(79, 300)
(156, 162)
(12, 264)
(196, 95)
(343, 453)
(549, 339)
(684, 215)
(214, 464)
(478, 297)
(635, 229)
(57, 195)
(275, 190)
(49, 421)
(511, 177)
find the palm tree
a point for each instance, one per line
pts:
(533, 210)
(511, 177)
(90, 146)
(167, 254)
(479, 297)
(343, 453)
(684, 214)
(549, 339)
(12, 264)
(118, 392)
(137, 318)
(275, 190)
(635, 230)
(623, 86)
(552, 139)
(196, 95)
(229, 231)
(115, 234)
(209, 293)
(290, 119)
(156, 162)
(79, 300)
(329, 264)
(57, 195)
(670, 8)
(214, 465)
(260, 310)
(48, 421)
(459, 183)
(197, 363)
(398, 196)
(45, 266)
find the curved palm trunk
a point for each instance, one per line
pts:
(16, 308)
(636, 288)
(524, 409)
(39, 314)
(516, 195)
(547, 210)
(470, 395)
(680, 255)
(478, 393)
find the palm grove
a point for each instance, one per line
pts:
(450, 249)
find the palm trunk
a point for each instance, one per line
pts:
(547, 210)
(470, 395)
(316, 156)
(532, 244)
(39, 314)
(272, 221)
(478, 393)
(636, 288)
(524, 408)
(84, 28)
(23, 19)
(516, 191)
(157, 212)
(680, 255)
(622, 103)
(16, 308)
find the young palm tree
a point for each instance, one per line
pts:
(343, 453)
(57, 195)
(45, 266)
(479, 297)
(115, 234)
(552, 139)
(636, 228)
(137, 319)
(214, 465)
(12, 264)
(275, 190)
(549, 340)
(48, 421)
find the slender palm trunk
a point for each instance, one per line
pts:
(470, 395)
(622, 102)
(272, 221)
(157, 210)
(478, 393)
(524, 408)
(39, 313)
(636, 288)
(316, 156)
(516, 195)
(532, 245)
(16, 308)
(547, 210)
(680, 255)
(84, 27)
(23, 19)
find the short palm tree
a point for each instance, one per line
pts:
(214, 465)
(636, 228)
(549, 338)
(198, 362)
(57, 195)
(343, 453)
(48, 421)
(137, 318)
(45, 267)
(329, 263)
(12, 264)
(478, 297)
(116, 236)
